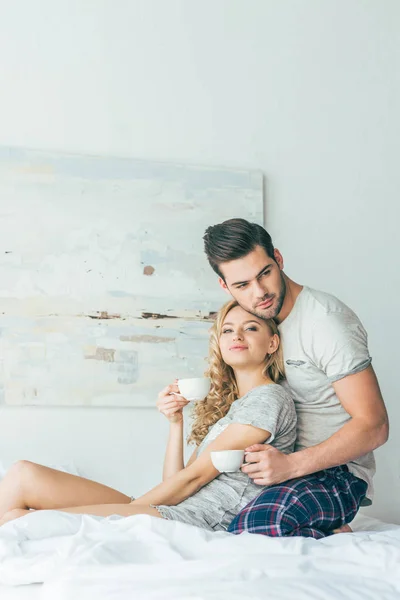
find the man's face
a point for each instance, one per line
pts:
(256, 282)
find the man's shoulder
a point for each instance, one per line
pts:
(319, 319)
(333, 323)
(321, 304)
(324, 318)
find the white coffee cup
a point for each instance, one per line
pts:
(195, 388)
(227, 461)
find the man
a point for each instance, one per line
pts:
(341, 413)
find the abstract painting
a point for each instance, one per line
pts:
(105, 292)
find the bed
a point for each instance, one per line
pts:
(59, 556)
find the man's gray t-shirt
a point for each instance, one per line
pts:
(323, 341)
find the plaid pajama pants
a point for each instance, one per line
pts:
(310, 506)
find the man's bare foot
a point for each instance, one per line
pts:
(343, 529)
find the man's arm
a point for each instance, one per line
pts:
(367, 429)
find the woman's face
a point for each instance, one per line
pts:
(245, 340)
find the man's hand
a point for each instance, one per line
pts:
(270, 466)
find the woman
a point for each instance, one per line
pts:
(245, 406)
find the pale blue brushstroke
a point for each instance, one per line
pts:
(152, 257)
(120, 294)
(102, 167)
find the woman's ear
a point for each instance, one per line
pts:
(274, 344)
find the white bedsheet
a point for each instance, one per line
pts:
(82, 557)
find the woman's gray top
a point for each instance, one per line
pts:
(215, 505)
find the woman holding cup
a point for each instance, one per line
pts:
(245, 405)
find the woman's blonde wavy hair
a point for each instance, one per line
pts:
(224, 388)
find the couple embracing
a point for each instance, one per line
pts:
(291, 384)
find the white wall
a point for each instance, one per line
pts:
(307, 91)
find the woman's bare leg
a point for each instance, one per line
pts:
(105, 510)
(29, 485)
(101, 510)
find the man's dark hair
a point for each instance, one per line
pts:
(234, 239)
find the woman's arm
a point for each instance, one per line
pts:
(170, 403)
(173, 461)
(201, 471)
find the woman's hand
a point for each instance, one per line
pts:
(170, 403)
